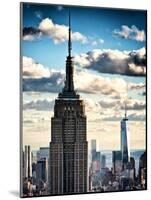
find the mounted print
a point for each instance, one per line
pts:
(83, 100)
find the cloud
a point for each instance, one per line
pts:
(109, 103)
(134, 104)
(38, 14)
(38, 78)
(39, 105)
(131, 104)
(137, 117)
(31, 33)
(130, 63)
(88, 82)
(51, 84)
(84, 82)
(60, 7)
(136, 86)
(131, 117)
(132, 33)
(96, 110)
(58, 33)
(94, 42)
(32, 69)
(113, 110)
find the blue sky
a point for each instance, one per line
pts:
(109, 49)
(96, 23)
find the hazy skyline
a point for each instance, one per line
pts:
(109, 49)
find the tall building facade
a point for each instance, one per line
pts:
(27, 172)
(125, 141)
(117, 162)
(68, 146)
(93, 149)
(42, 170)
(43, 153)
(103, 161)
(142, 172)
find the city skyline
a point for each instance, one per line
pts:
(105, 92)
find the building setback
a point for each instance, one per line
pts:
(68, 146)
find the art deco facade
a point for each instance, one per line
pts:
(68, 146)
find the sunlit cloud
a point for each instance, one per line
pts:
(130, 63)
(132, 33)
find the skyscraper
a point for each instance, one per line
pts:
(124, 141)
(117, 162)
(42, 172)
(27, 162)
(103, 161)
(93, 149)
(142, 173)
(43, 153)
(68, 146)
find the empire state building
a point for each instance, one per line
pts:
(68, 146)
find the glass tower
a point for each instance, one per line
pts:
(125, 141)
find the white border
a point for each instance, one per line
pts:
(9, 98)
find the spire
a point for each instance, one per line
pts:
(69, 41)
(125, 103)
(125, 111)
(68, 90)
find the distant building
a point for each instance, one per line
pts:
(43, 153)
(103, 161)
(143, 170)
(124, 141)
(93, 149)
(127, 176)
(117, 162)
(42, 170)
(27, 162)
(34, 156)
(96, 161)
(133, 169)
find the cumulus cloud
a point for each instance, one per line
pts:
(58, 33)
(38, 78)
(130, 63)
(132, 33)
(32, 69)
(88, 82)
(31, 33)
